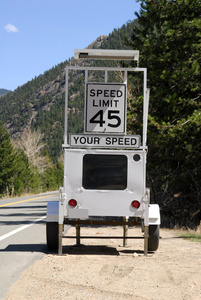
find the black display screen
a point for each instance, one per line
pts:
(104, 172)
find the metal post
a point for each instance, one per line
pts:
(62, 198)
(60, 239)
(145, 108)
(125, 230)
(146, 237)
(146, 221)
(106, 76)
(78, 234)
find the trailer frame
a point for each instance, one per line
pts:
(59, 212)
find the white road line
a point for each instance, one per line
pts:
(3, 237)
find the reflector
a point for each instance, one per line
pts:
(135, 204)
(72, 202)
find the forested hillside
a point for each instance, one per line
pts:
(3, 92)
(39, 104)
(168, 35)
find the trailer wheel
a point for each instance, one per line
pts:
(153, 241)
(52, 232)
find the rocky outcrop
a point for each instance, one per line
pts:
(97, 43)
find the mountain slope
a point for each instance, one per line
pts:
(40, 102)
(3, 92)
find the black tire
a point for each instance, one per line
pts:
(52, 235)
(153, 241)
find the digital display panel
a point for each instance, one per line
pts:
(104, 172)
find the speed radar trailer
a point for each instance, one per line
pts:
(104, 167)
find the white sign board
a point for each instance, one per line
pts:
(111, 141)
(105, 110)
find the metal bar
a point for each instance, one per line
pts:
(72, 147)
(86, 73)
(144, 109)
(126, 83)
(103, 237)
(103, 68)
(126, 77)
(106, 76)
(103, 223)
(66, 109)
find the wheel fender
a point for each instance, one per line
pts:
(154, 214)
(52, 211)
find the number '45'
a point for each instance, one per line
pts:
(112, 115)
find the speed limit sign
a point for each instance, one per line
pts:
(105, 110)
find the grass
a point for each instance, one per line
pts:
(189, 234)
(194, 237)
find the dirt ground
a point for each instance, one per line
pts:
(104, 269)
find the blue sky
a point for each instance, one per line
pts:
(36, 35)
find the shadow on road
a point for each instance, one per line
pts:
(71, 250)
(26, 248)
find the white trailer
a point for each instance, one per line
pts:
(104, 168)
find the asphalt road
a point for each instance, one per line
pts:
(22, 235)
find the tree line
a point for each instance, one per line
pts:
(168, 35)
(23, 167)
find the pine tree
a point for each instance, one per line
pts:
(8, 162)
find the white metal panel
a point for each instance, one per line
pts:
(78, 213)
(105, 202)
(154, 214)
